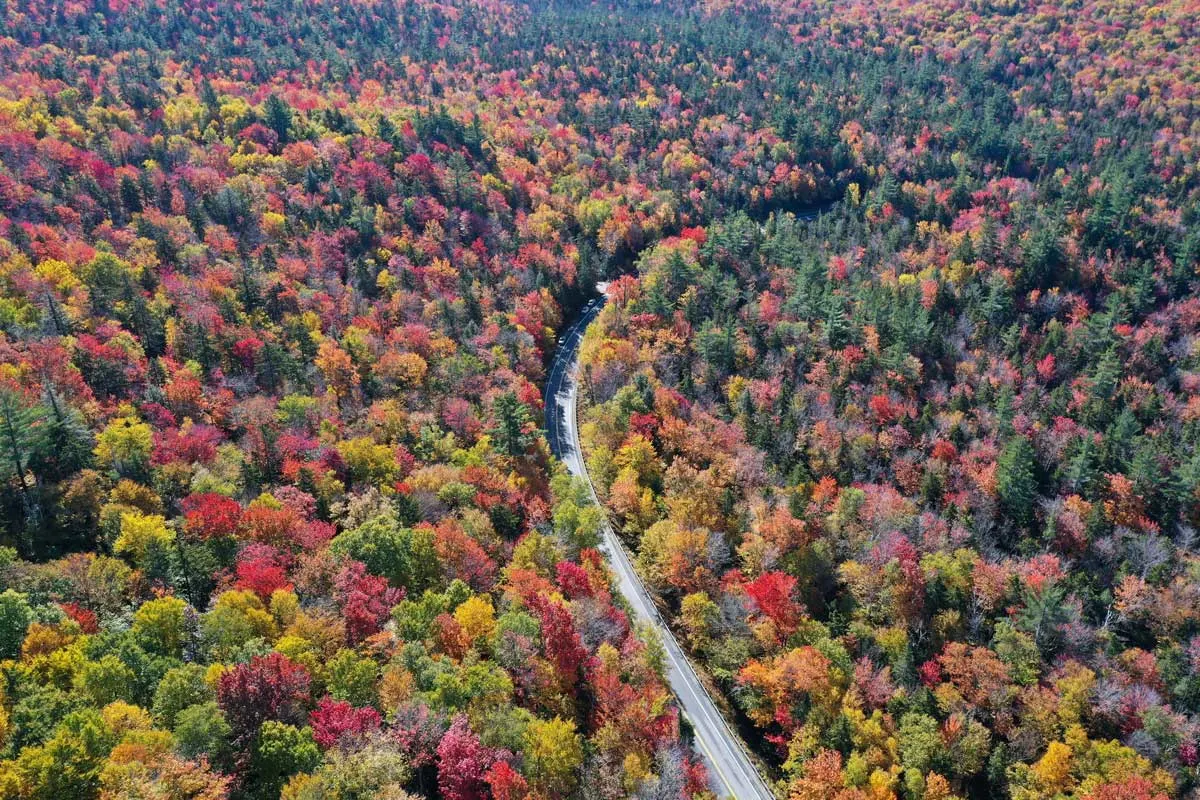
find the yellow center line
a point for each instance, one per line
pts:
(708, 754)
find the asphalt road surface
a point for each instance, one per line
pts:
(730, 769)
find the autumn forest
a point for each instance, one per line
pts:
(893, 400)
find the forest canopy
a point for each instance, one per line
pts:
(895, 396)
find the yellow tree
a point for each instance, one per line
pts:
(553, 753)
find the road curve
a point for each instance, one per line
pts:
(731, 771)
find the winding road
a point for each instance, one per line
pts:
(731, 771)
